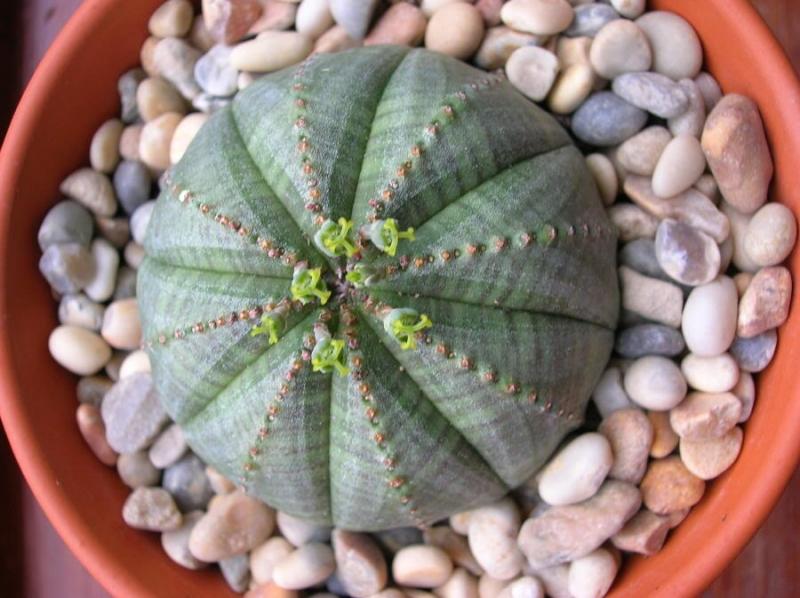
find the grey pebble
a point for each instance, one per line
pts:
(188, 484)
(79, 310)
(127, 85)
(334, 585)
(649, 339)
(133, 414)
(136, 470)
(605, 119)
(176, 59)
(116, 231)
(126, 283)
(68, 267)
(754, 354)
(132, 183)
(236, 571)
(656, 93)
(66, 222)
(354, 16)
(590, 18)
(92, 389)
(168, 447)
(214, 73)
(640, 255)
(393, 540)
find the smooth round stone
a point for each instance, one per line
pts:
(577, 471)
(156, 138)
(187, 482)
(354, 17)
(605, 177)
(770, 235)
(630, 435)
(677, 52)
(271, 51)
(620, 47)
(360, 564)
(499, 43)
(710, 90)
(708, 459)
(574, 84)
(710, 374)
(592, 575)
(270, 590)
(652, 92)
(146, 56)
(176, 542)
(573, 50)
(691, 122)
(640, 154)
(460, 585)
(655, 382)
(421, 566)
(140, 220)
(92, 389)
(79, 310)
(127, 85)
(402, 24)
(129, 142)
(121, 325)
(104, 148)
(313, 17)
(305, 567)
(738, 225)
(650, 298)
(234, 524)
(199, 35)
(264, 558)
(455, 545)
(156, 96)
(668, 487)
(605, 119)
(710, 316)
(542, 17)
(106, 260)
(745, 391)
(640, 255)
(686, 254)
(175, 60)
(590, 18)
(524, 587)
(136, 470)
(299, 531)
(664, 437)
(151, 509)
(276, 15)
(609, 395)
(78, 350)
(765, 303)
(492, 536)
(649, 339)
(91, 189)
(116, 231)
(754, 354)
(184, 134)
(66, 222)
(455, 30)
(168, 447)
(132, 183)
(214, 73)
(172, 19)
(532, 71)
(705, 415)
(681, 164)
(91, 427)
(133, 414)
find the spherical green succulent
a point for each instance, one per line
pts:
(379, 288)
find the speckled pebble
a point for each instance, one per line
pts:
(655, 93)
(133, 414)
(360, 565)
(151, 509)
(630, 436)
(186, 480)
(632, 222)
(705, 415)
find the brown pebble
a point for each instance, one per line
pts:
(644, 534)
(360, 564)
(765, 303)
(455, 545)
(228, 20)
(91, 426)
(403, 25)
(664, 437)
(631, 435)
(705, 415)
(129, 142)
(708, 459)
(270, 590)
(668, 486)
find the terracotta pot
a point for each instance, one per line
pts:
(74, 90)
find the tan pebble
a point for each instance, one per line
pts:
(493, 539)
(532, 71)
(305, 567)
(429, 7)
(134, 254)
(91, 189)
(490, 10)
(129, 142)
(104, 149)
(276, 15)
(668, 486)
(335, 39)
(456, 30)
(499, 43)
(630, 435)
(680, 166)
(151, 509)
(270, 590)
(708, 459)
(620, 47)
(489, 587)
(79, 350)
(91, 426)
(135, 362)
(644, 534)
(605, 177)
(263, 558)
(745, 391)
(156, 96)
(461, 584)
(632, 222)
(199, 36)
(176, 542)
(455, 545)
(705, 415)
(573, 50)
(737, 152)
(542, 17)
(135, 470)
(121, 326)
(765, 303)
(640, 154)
(710, 374)
(219, 483)
(403, 25)
(156, 138)
(770, 235)
(522, 587)
(677, 52)
(185, 132)
(651, 298)
(171, 19)
(271, 51)
(360, 564)
(573, 86)
(739, 224)
(742, 280)
(459, 522)
(147, 56)
(592, 575)
(229, 20)
(421, 566)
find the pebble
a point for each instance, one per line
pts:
(271, 51)
(151, 509)
(709, 458)
(737, 152)
(156, 138)
(429, 7)
(754, 354)
(199, 36)
(234, 524)
(630, 436)
(140, 219)
(703, 416)
(745, 391)
(116, 231)
(590, 19)
(401, 25)
(275, 16)
(455, 30)
(133, 414)
(644, 534)
(710, 374)
(65, 222)
(640, 255)
(91, 427)
(236, 572)
(129, 142)
(710, 90)
(354, 15)
(176, 60)
(156, 96)
(92, 389)
(187, 482)
(573, 85)
(421, 566)
(591, 576)
(172, 19)
(78, 350)
(132, 184)
(668, 486)
(168, 447)
(459, 522)
(176, 542)
(770, 235)
(460, 585)
(738, 224)
(573, 50)
(577, 471)
(264, 558)
(147, 56)
(620, 47)
(106, 261)
(709, 317)
(313, 17)
(609, 395)
(126, 284)
(649, 339)
(91, 189)
(335, 39)
(492, 536)
(523, 587)
(136, 470)
(651, 298)
(555, 581)
(455, 545)
(489, 587)
(219, 483)
(677, 52)
(121, 326)
(640, 154)
(542, 17)
(605, 119)
(184, 134)
(655, 382)
(532, 71)
(114, 365)
(604, 176)
(687, 255)
(630, 9)
(499, 43)
(270, 590)
(665, 440)
(214, 73)
(691, 122)
(490, 10)
(681, 164)
(127, 85)
(104, 148)
(360, 564)
(652, 92)
(563, 534)
(79, 310)
(765, 303)
(228, 20)
(299, 532)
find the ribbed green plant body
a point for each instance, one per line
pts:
(513, 262)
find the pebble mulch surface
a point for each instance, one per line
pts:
(684, 172)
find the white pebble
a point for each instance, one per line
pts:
(710, 374)
(533, 71)
(573, 85)
(79, 350)
(121, 326)
(655, 382)
(620, 47)
(140, 219)
(106, 259)
(710, 317)
(770, 235)
(493, 531)
(134, 363)
(305, 567)
(577, 471)
(677, 52)
(542, 17)
(591, 576)
(313, 17)
(524, 587)
(271, 51)
(609, 395)
(681, 163)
